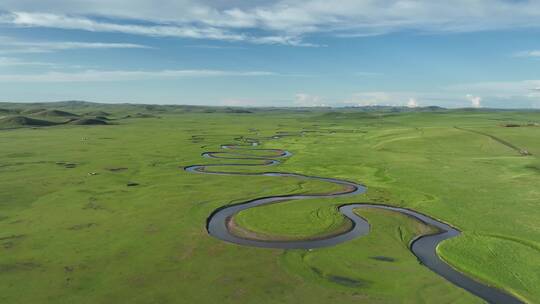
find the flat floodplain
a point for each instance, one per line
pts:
(106, 213)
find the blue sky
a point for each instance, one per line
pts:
(461, 53)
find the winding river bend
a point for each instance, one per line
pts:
(423, 247)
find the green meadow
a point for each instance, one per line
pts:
(103, 212)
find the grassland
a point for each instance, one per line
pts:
(73, 231)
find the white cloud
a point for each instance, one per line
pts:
(438, 96)
(277, 21)
(99, 76)
(497, 88)
(214, 47)
(10, 61)
(510, 94)
(372, 98)
(10, 45)
(476, 101)
(83, 23)
(376, 98)
(25, 19)
(283, 40)
(533, 53)
(412, 103)
(307, 100)
(238, 102)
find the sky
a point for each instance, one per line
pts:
(455, 53)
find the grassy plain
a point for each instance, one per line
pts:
(80, 234)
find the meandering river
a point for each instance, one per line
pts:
(423, 247)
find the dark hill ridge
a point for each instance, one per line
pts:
(93, 109)
(55, 113)
(97, 113)
(8, 111)
(88, 121)
(394, 109)
(21, 121)
(141, 115)
(32, 111)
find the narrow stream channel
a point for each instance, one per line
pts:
(423, 247)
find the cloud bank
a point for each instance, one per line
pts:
(101, 76)
(271, 22)
(11, 45)
(533, 53)
(476, 101)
